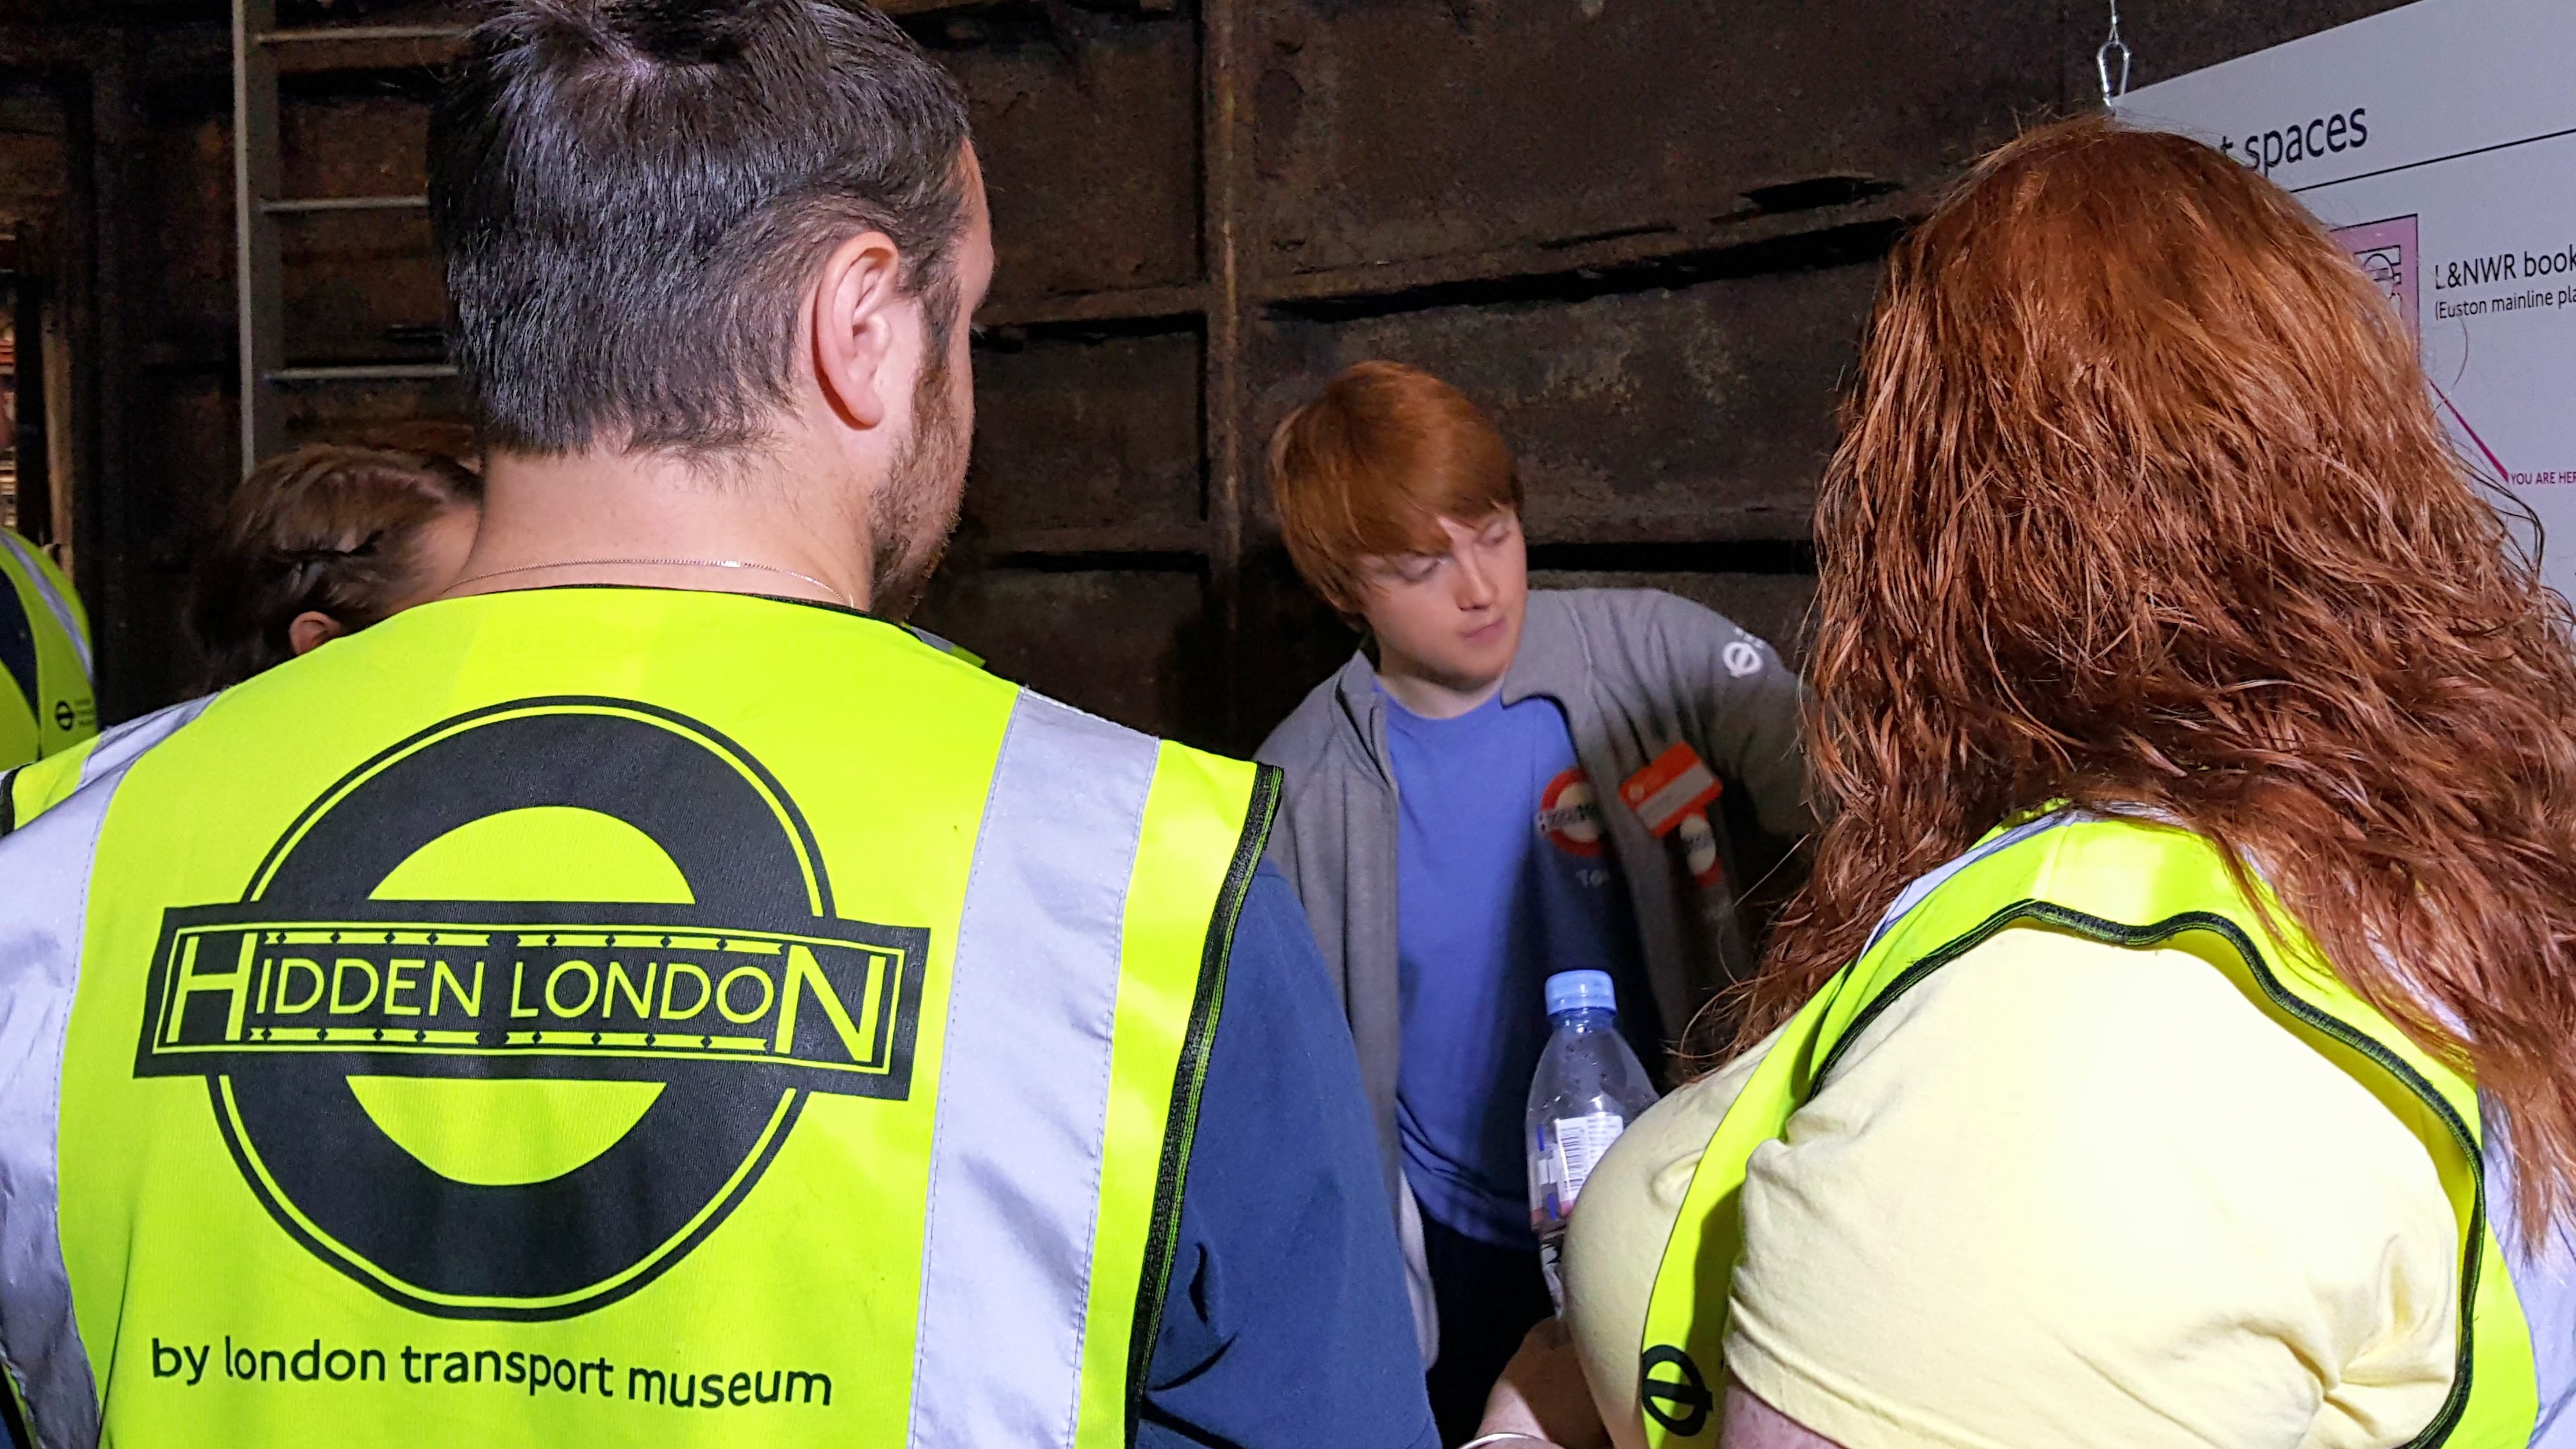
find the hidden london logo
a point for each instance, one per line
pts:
(734, 1009)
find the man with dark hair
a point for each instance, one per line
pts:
(642, 998)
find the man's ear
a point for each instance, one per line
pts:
(857, 344)
(311, 630)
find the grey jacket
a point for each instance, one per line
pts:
(1635, 670)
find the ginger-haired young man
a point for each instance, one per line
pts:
(1502, 785)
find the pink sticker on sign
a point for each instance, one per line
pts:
(2387, 251)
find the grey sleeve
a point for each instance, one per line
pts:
(1747, 706)
(1281, 851)
(1311, 868)
(1280, 750)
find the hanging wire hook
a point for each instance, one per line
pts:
(2102, 59)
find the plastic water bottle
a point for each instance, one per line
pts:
(1589, 1087)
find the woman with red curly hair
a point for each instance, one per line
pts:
(2176, 1043)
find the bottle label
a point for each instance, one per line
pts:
(1568, 1149)
(1580, 1141)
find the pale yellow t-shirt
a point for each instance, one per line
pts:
(2061, 1193)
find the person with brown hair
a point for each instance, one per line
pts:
(2173, 1043)
(1502, 785)
(324, 541)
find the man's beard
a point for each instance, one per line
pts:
(913, 514)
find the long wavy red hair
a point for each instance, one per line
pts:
(2142, 501)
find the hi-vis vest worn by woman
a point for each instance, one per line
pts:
(2127, 883)
(606, 1016)
(46, 702)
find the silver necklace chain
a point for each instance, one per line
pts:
(656, 563)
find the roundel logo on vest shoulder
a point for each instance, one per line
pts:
(515, 1014)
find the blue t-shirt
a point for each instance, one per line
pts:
(1286, 1322)
(1503, 878)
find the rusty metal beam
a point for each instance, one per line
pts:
(314, 49)
(390, 47)
(1110, 541)
(363, 372)
(1750, 241)
(934, 7)
(1224, 188)
(39, 46)
(1747, 241)
(317, 205)
(112, 520)
(1128, 304)
(1763, 521)
(260, 343)
(360, 34)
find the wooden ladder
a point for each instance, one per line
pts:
(260, 51)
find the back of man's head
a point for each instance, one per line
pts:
(631, 196)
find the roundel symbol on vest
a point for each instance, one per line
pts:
(64, 718)
(1683, 1405)
(414, 1087)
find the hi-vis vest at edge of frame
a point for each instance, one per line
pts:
(2129, 883)
(47, 689)
(862, 1016)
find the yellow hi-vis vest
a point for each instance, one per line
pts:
(607, 1017)
(46, 695)
(2128, 883)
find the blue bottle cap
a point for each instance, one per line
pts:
(1581, 991)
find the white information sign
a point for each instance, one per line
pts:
(2439, 139)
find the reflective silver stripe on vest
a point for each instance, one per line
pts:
(44, 894)
(1024, 1086)
(1917, 893)
(55, 603)
(2544, 1281)
(123, 745)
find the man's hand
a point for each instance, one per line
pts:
(1542, 1393)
